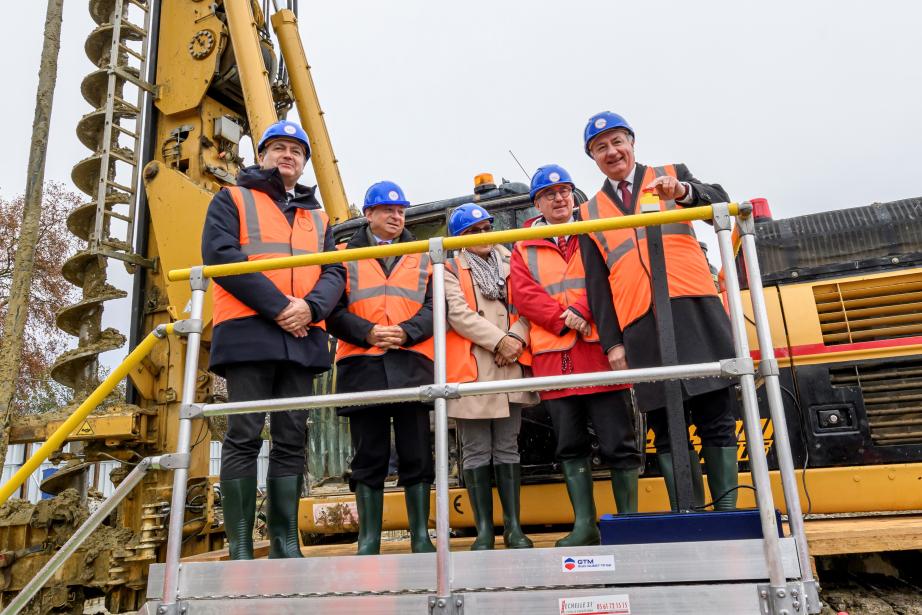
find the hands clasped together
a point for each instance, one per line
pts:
(296, 317)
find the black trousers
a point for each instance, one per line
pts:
(612, 418)
(713, 414)
(265, 380)
(371, 441)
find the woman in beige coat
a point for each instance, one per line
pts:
(485, 343)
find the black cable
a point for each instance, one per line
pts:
(200, 436)
(803, 439)
(723, 495)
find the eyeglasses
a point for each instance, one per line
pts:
(474, 230)
(563, 192)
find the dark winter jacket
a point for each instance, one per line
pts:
(395, 368)
(259, 338)
(702, 329)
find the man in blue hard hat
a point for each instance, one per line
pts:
(269, 336)
(384, 326)
(548, 285)
(619, 284)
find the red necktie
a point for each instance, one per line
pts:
(562, 244)
(626, 197)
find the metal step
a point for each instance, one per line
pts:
(735, 599)
(689, 577)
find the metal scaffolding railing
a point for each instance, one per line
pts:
(776, 597)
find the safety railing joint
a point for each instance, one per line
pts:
(191, 411)
(450, 605)
(768, 366)
(786, 599)
(187, 326)
(747, 225)
(172, 461)
(722, 217)
(737, 367)
(437, 250)
(197, 279)
(161, 331)
(439, 391)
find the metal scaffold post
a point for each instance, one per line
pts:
(768, 368)
(193, 330)
(443, 602)
(776, 595)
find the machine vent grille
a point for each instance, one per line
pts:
(866, 310)
(892, 394)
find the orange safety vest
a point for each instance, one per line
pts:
(461, 366)
(265, 233)
(565, 281)
(628, 260)
(386, 300)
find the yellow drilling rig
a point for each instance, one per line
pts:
(178, 87)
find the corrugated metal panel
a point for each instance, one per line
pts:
(892, 394)
(841, 236)
(16, 455)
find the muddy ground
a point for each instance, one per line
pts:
(871, 596)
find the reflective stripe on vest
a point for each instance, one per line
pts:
(628, 261)
(386, 300)
(265, 233)
(461, 366)
(564, 281)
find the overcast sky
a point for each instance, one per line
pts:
(813, 105)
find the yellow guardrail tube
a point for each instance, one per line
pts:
(83, 410)
(456, 243)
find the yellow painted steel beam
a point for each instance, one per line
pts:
(285, 24)
(76, 419)
(254, 77)
(109, 427)
(853, 489)
(456, 243)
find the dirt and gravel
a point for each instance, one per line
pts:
(875, 596)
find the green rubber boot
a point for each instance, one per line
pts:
(283, 496)
(238, 502)
(578, 475)
(665, 468)
(624, 488)
(509, 486)
(417, 498)
(370, 504)
(723, 475)
(480, 492)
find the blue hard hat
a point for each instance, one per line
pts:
(603, 122)
(285, 130)
(384, 193)
(547, 176)
(465, 216)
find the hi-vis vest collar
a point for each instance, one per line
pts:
(358, 292)
(613, 254)
(308, 219)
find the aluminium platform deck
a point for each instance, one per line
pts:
(687, 578)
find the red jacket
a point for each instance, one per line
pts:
(533, 303)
